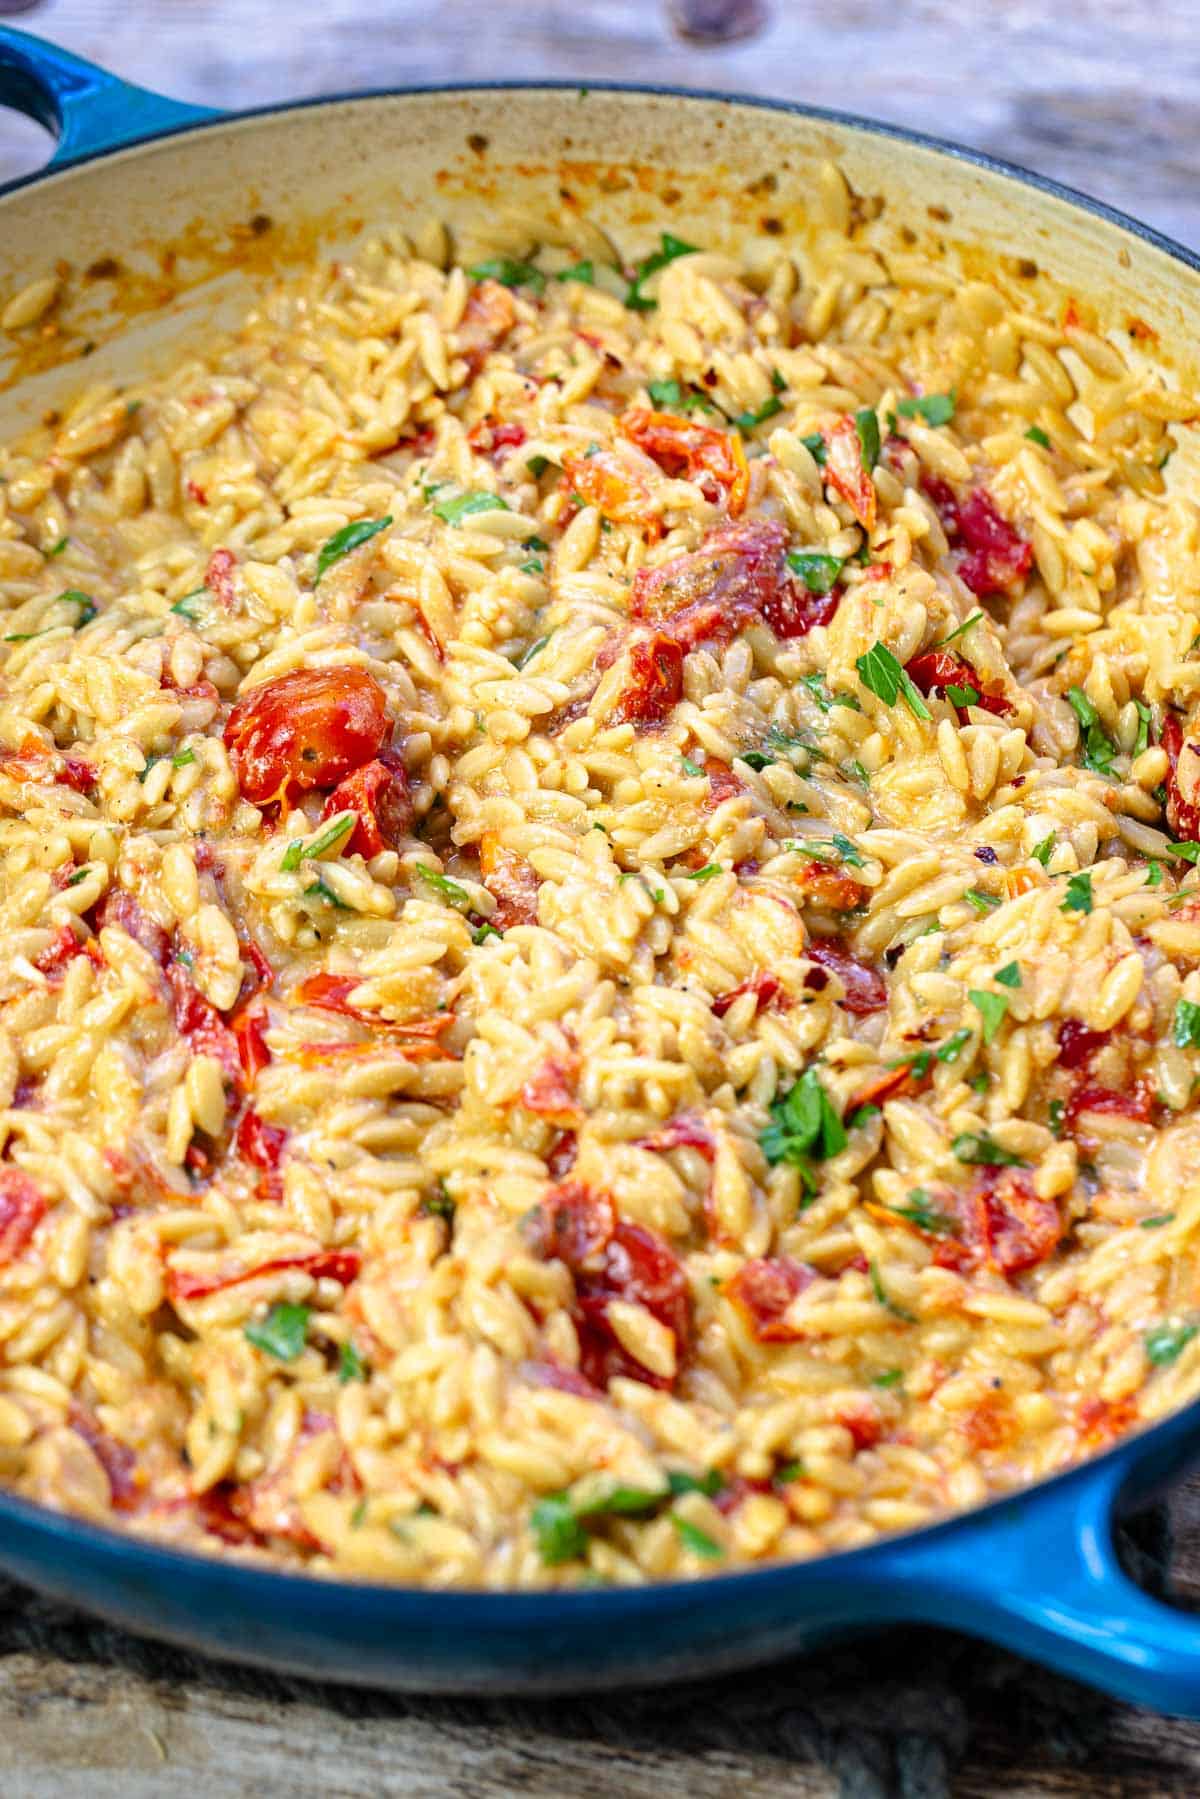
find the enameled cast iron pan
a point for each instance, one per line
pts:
(194, 204)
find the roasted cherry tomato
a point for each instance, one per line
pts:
(686, 450)
(308, 729)
(379, 793)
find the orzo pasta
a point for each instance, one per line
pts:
(600, 954)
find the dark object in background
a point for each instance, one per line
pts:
(714, 21)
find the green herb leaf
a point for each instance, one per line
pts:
(959, 630)
(183, 758)
(581, 271)
(884, 1299)
(884, 676)
(1186, 852)
(830, 850)
(350, 1364)
(935, 409)
(969, 1147)
(991, 1008)
(463, 505)
(817, 570)
(746, 421)
(1009, 975)
(537, 466)
(439, 1204)
(1185, 1026)
(1079, 893)
(282, 1333)
(443, 885)
(1166, 1342)
(1056, 1112)
(803, 1123)
(292, 856)
(1142, 740)
(669, 248)
(534, 649)
(690, 767)
(1036, 435)
(534, 566)
(709, 1484)
(1157, 1221)
(866, 423)
(1043, 851)
(483, 932)
(337, 828)
(56, 549)
(825, 700)
(697, 1540)
(350, 537)
(1154, 873)
(509, 273)
(85, 602)
(557, 1531)
(952, 1048)
(817, 448)
(981, 902)
(320, 891)
(193, 605)
(921, 1211)
(962, 696)
(889, 1377)
(1098, 752)
(706, 873)
(861, 1116)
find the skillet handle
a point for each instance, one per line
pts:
(1040, 1575)
(84, 107)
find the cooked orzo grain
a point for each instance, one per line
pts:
(600, 960)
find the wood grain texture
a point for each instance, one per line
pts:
(1107, 99)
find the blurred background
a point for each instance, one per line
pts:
(1102, 96)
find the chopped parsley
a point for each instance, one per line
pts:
(704, 874)
(669, 249)
(580, 271)
(1056, 1112)
(1042, 852)
(672, 396)
(282, 1333)
(81, 874)
(192, 606)
(816, 446)
(837, 848)
(56, 549)
(690, 767)
(971, 1147)
(443, 885)
(350, 1364)
(1154, 873)
(746, 421)
(1098, 752)
(888, 1377)
(1166, 1342)
(817, 570)
(952, 1048)
(935, 409)
(482, 932)
(991, 1007)
(350, 537)
(559, 1535)
(183, 758)
(1142, 740)
(510, 273)
(981, 902)
(1185, 1026)
(320, 891)
(1009, 975)
(921, 1211)
(1079, 893)
(962, 696)
(804, 1126)
(959, 630)
(85, 603)
(1157, 1221)
(866, 423)
(825, 700)
(463, 505)
(886, 678)
(535, 648)
(537, 466)
(709, 1484)
(697, 1540)
(1036, 435)
(1186, 852)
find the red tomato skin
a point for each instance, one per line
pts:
(379, 793)
(655, 684)
(308, 729)
(866, 989)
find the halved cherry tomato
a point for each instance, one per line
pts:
(865, 988)
(939, 669)
(604, 480)
(847, 473)
(995, 555)
(511, 881)
(379, 793)
(1183, 816)
(655, 682)
(738, 574)
(307, 729)
(763, 1290)
(340, 1265)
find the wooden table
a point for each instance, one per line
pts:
(1100, 96)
